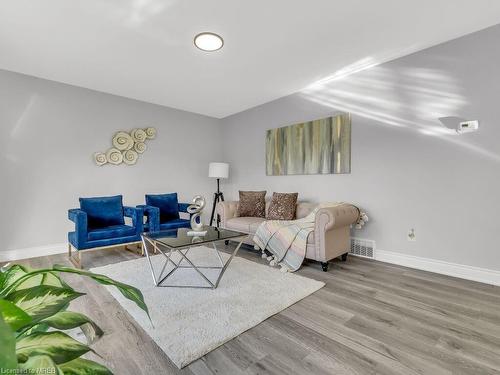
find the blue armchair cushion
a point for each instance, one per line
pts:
(103, 211)
(112, 231)
(167, 203)
(176, 223)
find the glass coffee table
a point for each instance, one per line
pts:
(177, 241)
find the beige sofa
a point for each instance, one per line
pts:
(330, 238)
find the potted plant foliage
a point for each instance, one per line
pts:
(34, 315)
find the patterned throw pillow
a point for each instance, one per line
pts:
(283, 206)
(252, 203)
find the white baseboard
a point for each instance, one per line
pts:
(32, 252)
(482, 275)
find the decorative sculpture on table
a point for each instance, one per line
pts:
(195, 211)
(126, 147)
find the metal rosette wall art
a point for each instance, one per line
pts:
(126, 147)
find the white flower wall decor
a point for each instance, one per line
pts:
(100, 158)
(150, 133)
(130, 157)
(126, 147)
(123, 141)
(138, 135)
(114, 156)
(139, 147)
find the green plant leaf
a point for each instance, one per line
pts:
(42, 301)
(3, 275)
(69, 320)
(39, 327)
(17, 277)
(8, 346)
(41, 364)
(33, 278)
(12, 273)
(50, 278)
(57, 345)
(44, 296)
(128, 291)
(14, 316)
(82, 366)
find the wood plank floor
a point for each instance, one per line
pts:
(370, 318)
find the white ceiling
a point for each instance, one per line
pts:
(143, 49)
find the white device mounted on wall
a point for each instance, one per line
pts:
(467, 126)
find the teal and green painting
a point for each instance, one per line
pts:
(314, 147)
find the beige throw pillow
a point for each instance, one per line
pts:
(252, 203)
(283, 206)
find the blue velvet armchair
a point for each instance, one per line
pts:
(162, 212)
(100, 222)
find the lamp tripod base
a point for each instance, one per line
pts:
(218, 197)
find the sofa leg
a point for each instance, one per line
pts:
(324, 266)
(344, 257)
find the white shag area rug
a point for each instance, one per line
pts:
(189, 323)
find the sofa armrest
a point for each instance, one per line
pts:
(227, 210)
(152, 216)
(337, 216)
(331, 230)
(79, 217)
(136, 213)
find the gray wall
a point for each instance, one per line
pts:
(408, 170)
(51, 130)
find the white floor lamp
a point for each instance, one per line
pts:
(218, 171)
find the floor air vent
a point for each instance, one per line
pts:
(363, 248)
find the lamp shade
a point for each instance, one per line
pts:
(218, 170)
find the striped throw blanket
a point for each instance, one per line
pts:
(287, 240)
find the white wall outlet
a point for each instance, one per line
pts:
(468, 126)
(412, 237)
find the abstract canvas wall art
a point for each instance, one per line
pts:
(314, 147)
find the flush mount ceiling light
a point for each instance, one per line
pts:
(208, 41)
